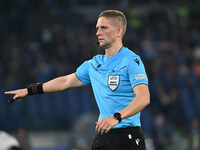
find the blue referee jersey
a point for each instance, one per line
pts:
(112, 81)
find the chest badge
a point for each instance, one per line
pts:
(113, 82)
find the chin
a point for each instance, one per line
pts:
(105, 46)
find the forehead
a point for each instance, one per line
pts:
(103, 21)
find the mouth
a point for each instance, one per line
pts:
(100, 40)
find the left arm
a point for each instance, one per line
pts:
(141, 100)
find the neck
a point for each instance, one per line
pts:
(113, 50)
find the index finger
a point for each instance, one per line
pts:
(10, 92)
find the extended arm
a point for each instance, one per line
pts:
(56, 85)
(62, 83)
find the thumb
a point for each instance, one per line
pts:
(15, 97)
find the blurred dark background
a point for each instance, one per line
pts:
(43, 39)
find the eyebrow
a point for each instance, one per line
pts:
(103, 26)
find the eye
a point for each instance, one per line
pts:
(104, 27)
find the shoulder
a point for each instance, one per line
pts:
(97, 58)
(129, 55)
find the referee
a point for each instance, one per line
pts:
(119, 83)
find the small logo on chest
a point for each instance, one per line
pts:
(113, 82)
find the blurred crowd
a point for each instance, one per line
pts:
(167, 38)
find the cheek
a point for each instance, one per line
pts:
(110, 35)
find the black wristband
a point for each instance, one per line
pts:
(118, 117)
(35, 89)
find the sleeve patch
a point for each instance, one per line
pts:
(140, 76)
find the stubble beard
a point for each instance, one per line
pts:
(105, 46)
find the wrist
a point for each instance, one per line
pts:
(117, 116)
(35, 89)
(26, 91)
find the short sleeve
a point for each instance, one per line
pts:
(136, 72)
(82, 73)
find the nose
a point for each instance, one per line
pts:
(98, 32)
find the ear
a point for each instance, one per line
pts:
(119, 31)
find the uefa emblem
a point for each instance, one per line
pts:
(113, 82)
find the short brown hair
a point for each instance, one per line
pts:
(118, 16)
